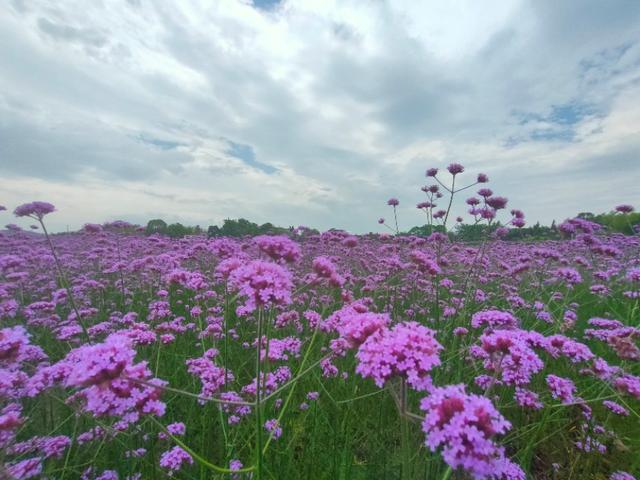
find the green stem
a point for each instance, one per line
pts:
(197, 457)
(258, 406)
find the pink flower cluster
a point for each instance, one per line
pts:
(464, 426)
(262, 284)
(279, 247)
(108, 380)
(408, 349)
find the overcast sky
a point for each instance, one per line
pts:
(314, 112)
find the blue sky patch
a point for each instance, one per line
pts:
(266, 4)
(248, 156)
(159, 143)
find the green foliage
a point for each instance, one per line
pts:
(617, 222)
(426, 230)
(175, 230)
(535, 232)
(242, 227)
(156, 226)
(473, 233)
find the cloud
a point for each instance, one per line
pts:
(315, 112)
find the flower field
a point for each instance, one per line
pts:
(327, 356)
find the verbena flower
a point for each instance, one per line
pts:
(355, 327)
(174, 459)
(561, 388)
(279, 247)
(464, 426)
(263, 284)
(408, 349)
(35, 210)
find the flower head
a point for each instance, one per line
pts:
(624, 208)
(262, 283)
(408, 349)
(35, 210)
(464, 426)
(455, 168)
(356, 327)
(279, 247)
(174, 459)
(561, 388)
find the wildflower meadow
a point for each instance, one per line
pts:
(322, 356)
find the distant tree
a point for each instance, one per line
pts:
(177, 230)
(586, 216)
(425, 230)
(156, 226)
(473, 232)
(617, 222)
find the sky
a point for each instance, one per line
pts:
(315, 112)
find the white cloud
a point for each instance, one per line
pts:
(128, 109)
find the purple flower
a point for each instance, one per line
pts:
(408, 349)
(620, 475)
(35, 210)
(482, 178)
(424, 263)
(616, 408)
(624, 208)
(24, 469)
(561, 388)
(174, 459)
(509, 353)
(92, 228)
(177, 428)
(570, 275)
(493, 318)
(355, 327)
(394, 202)
(464, 426)
(273, 428)
(497, 203)
(263, 284)
(279, 247)
(527, 398)
(455, 168)
(628, 384)
(431, 172)
(110, 382)
(324, 268)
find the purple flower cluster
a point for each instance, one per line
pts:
(355, 327)
(493, 319)
(35, 210)
(279, 248)
(263, 284)
(408, 349)
(464, 426)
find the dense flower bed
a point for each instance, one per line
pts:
(123, 355)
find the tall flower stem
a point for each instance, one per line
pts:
(452, 191)
(122, 290)
(64, 281)
(404, 425)
(395, 216)
(258, 406)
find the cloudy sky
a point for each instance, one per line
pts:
(314, 112)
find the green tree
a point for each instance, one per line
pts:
(156, 226)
